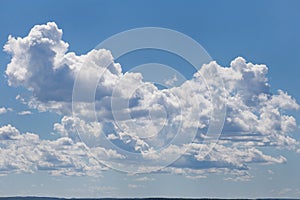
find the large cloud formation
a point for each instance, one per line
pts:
(41, 63)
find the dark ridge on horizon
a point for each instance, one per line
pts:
(150, 198)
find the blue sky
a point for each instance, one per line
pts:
(262, 32)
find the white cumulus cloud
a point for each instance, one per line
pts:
(26, 152)
(256, 118)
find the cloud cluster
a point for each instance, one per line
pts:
(26, 152)
(135, 116)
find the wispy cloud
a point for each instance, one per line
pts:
(133, 186)
(145, 178)
(25, 112)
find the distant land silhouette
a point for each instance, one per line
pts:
(53, 198)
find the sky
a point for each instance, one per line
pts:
(80, 119)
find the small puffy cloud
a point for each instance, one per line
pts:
(25, 112)
(152, 118)
(8, 132)
(170, 82)
(4, 110)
